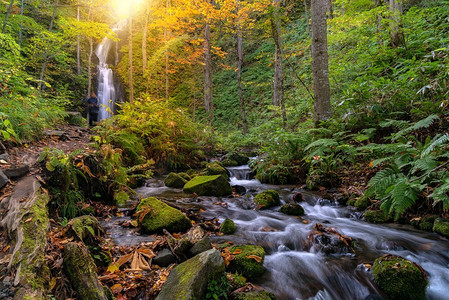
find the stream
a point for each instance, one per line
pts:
(294, 271)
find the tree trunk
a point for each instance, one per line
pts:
(397, 36)
(208, 75)
(320, 67)
(44, 64)
(8, 12)
(239, 74)
(89, 68)
(144, 40)
(130, 57)
(167, 81)
(21, 27)
(78, 51)
(278, 88)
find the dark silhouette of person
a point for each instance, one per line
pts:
(94, 108)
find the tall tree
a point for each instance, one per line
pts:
(130, 56)
(397, 36)
(320, 65)
(8, 12)
(78, 47)
(145, 38)
(208, 74)
(239, 69)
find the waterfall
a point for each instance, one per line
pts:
(107, 91)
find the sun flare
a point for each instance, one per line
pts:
(124, 7)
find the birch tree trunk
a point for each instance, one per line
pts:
(208, 75)
(397, 36)
(21, 27)
(239, 73)
(8, 12)
(130, 57)
(44, 64)
(320, 67)
(78, 51)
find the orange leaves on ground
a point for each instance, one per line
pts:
(255, 257)
(138, 261)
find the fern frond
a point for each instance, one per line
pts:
(400, 124)
(437, 143)
(403, 196)
(424, 123)
(382, 181)
(320, 146)
(425, 164)
(441, 194)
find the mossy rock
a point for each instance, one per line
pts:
(236, 280)
(375, 216)
(427, 223)
(267, 199)
(215, 168)
(245, 265)
(255, 295)
(86, 228)
(229, 163)
(162, 217)
(362, 203)
(227, 227)
(441, 226)
(191, 172)
(215, 185)
(399, 278)
(176, 181)
(185, 176)
(237, 157)
(292, 209)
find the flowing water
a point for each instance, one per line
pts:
(296, 271)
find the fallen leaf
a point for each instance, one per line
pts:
(116, 288)
(255, 257)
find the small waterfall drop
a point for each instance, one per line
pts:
(107, 91)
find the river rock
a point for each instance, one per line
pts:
(164, 258)
(3, 179)
(161, 216)
(227, 227)
(200, 246)
(400, 278)
(4, 157)
(441, 226)
(298, 197)
(189, 280)
(292, 209)
(248, 260)
(330, 241)
(229, 163)
(255, 295)
(18, 172)
(427, 222)
(238, 157)
(215, 185)
(238, 189)
(267, 199)
(214, 168)
(375, 216)
(81, 270)
(174, 180)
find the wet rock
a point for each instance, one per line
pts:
(3, 179)
(177, 181)
(255, 295)
(400, 278)
(215, 185)
(81, 270)
(227, 227)
(182, 247)
(239, 158)
(330, 241)
(441, 226)
(427, 223)
(375, 216)
(164, 258)
(374, 297)
(267, 199)
(160, 216)
(200, 246)
(4, 157)
(362, 203)
(18, 172)
(292, 209)
(238, 189)
(86, 229)
(229, 163)
(214, 168)
(248, 260)
(298, 197)
(189, 280)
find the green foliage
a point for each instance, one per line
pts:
(218, 289)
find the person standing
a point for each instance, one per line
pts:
(94, 108)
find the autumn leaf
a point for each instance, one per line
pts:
(255, 257)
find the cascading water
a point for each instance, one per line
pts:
(107, 91)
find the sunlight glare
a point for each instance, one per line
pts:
(122, 7)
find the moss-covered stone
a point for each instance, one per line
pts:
(248, 260)
(427, 222)
(86, 229)
(362, 203)
(81, 271)
(255, 295)
(229, 163)
(441, 226)
(215, 185)
(176, 181)
(227, 227)
(192, 172)
(214, 168)
(375, 216)
(292, 209)
(399, 278)
(236, 280)
(267, 199)
(241, 159)
(185, 176)
(162, 216)
(189, 280)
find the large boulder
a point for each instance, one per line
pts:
(159, 216)
(240, 159)
(292, 209)
(214, 168)
(82, 272)
(177, 181)
(17, 172)
(228, 227)
(215, 185)
(441, 226)
(189, 280)
(267, 199)
(3, 179)
(248, 260)
(400, 278)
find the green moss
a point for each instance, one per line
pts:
(229, 163)
(375, 216)
(292, 209)
(399, 278)
(441, 226)
(214, 168)
(87, 211)
(267, 199)
(215, 185)
(256, 295)
(427, 222)
(244, 265)
(185, 176)
(174, 180)
(240, 159)
(162, 216)
(237, 281)
(86, 229)
(362, 203)
(228, 227)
